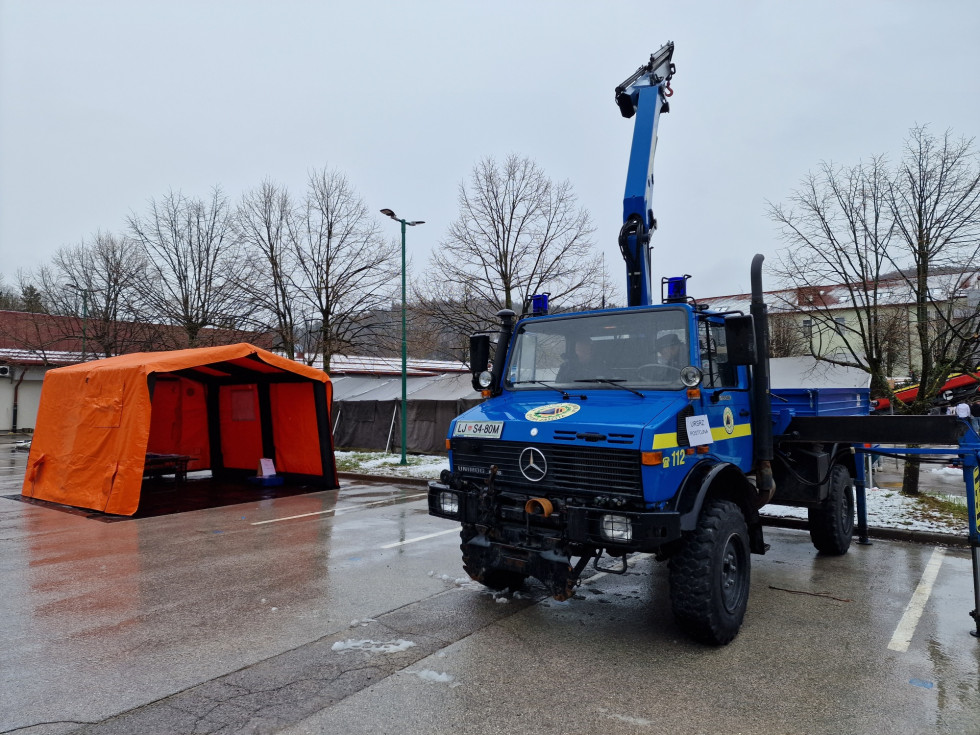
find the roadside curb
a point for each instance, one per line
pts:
(931, 538)
(393, 479)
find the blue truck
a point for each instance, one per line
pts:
(649, 428)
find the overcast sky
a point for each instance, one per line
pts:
(105, 105)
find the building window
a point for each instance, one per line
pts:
(839, 323)
(808, 328)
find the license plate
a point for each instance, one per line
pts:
(485, 429)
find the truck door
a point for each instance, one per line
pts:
(724, 396)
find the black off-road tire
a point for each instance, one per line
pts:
(710, 575)
(832, 522)
(495, 579)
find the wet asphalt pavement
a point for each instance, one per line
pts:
(340, 612)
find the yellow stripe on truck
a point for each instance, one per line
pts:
(719, 434)
(669, 441)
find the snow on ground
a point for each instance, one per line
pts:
(372, 646)
(955, 471)
(887, 508)
(378, 463)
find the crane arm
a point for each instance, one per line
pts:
(643, 94)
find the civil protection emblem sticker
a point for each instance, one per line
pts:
(729, 420)
(552, 412)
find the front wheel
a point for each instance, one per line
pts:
(710, 575)
(477, 566)
(832, 522)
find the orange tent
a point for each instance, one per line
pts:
(221, 408)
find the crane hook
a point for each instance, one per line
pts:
(669, 92)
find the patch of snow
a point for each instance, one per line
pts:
(379, 463)
(956, 471)
(373, 646)
(430, 675)
(428, 469)
(361, 623)
(887, 508)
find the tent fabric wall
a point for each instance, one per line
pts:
(225, 406)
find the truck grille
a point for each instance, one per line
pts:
(571, 469)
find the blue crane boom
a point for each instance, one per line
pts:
(644, 94)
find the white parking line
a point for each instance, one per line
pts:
(419, 538)
(343, 511)
(913, 611)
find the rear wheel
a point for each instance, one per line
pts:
(710, 575)
(832, 522)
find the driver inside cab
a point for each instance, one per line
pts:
(581, 362)
(672, 351)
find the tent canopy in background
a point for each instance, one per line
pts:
(367, 410)
(224, 407)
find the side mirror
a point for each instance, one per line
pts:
(479, 359)
(740, 340)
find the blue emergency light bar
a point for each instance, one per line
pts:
(676, 289)
(539, 304)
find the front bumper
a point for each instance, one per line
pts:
(504, 516)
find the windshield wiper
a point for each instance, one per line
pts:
(615, 382)
(564, 394)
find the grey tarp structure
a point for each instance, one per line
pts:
(367, 410)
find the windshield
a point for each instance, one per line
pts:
(638, 349)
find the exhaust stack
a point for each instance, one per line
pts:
(761, 401)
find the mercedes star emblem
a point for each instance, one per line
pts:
(533, 464)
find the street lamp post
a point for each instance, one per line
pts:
(404, 223)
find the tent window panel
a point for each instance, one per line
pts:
(243, 404)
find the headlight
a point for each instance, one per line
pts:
(485, 379)
(449, 503)
(691, 376)
(617, 528)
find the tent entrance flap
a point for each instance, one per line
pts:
(179, 420)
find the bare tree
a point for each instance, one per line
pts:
(99, 282)
(786, 338)
(838, 229)
(518, 233)
(265, 226)
(345, 270)
(192, 255)
(922, 221)
(935, 201)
